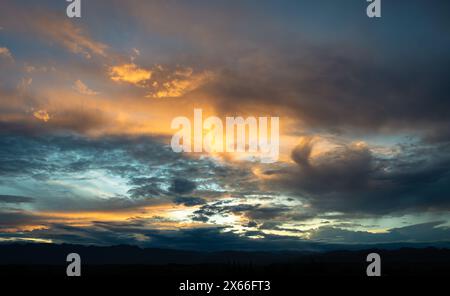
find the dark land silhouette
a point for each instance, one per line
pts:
(50, 260)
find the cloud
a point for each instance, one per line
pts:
(424, 232)
(189, 201)
(203, 239)
(13, 219)
(267, 213)
(80, 87)
(349, 89)
(42, 115)
(15, 199)
(184, 82)
(5, 53)
(24, 84)
(260, 211)
(135, 53)
(345, 167)
(182, 186)
(37, 21)
(161, 81)
(124, 166)
(351, 178)
(135, 161)
(338, 93)
(130, 73)
(70, 36)
(70, 120)
(218, 238)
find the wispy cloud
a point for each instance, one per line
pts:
(80, 87)
(6, 53)
(73, 38)
(24, 83)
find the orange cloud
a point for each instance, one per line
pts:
(185, 83)
(5, 53)
(42, 115)
(130, 73)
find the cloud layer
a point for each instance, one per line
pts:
(86, 107)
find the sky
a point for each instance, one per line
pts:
(86, 106)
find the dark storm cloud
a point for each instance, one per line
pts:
(378, 78)
(351, 179)
(267, 213)
(251, 224)
(189, 201)
(341, 94)
(221, 208)
(344, 169)
(146, 190)
(182, 186)
(199, 217)
(250, 211)
(206, 172)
